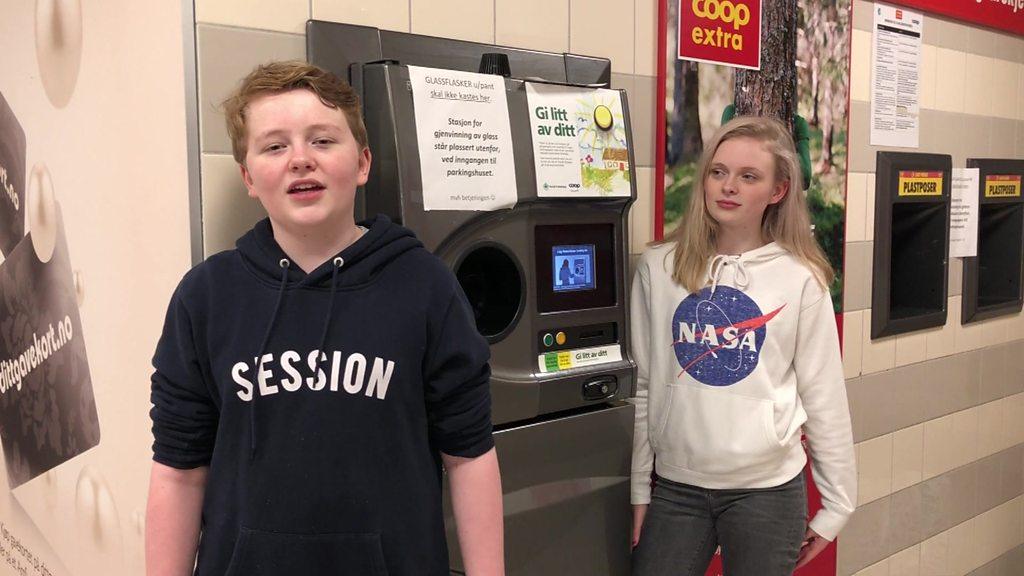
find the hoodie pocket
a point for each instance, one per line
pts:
(713, 431)
(259, 553)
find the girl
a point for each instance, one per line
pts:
(736, 348)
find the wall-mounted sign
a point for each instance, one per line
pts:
(579, 141)
(721, 32)
(917, 183)
(464, 138)
(1002, 186)
(895, 77)
(963, 215)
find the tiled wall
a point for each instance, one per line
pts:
(233, 36)
(938, 414)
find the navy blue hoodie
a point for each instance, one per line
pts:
(321, 403)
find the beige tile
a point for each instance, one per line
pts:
(990, 428)
(1003, 93)
(963, 553)
(533, 24)
(874, 469)
(856, 206)
(383, 14)
(878, 355)
(853, 342)
(929, 73)
(940, 342)
(937, 457)
(641, 214)
(907, 457)
(963, 446)
(910, 348)
(907, 562)
(603, 28)
(860, 66)
(877, 569)
(979, 80)
(646, 43)
(967, 336)
(642, 118)
(471, 20)
(949, 86)
(995, 331)
(988, 537)
(935, 555)
(869, 208)
(228, 212)
(280, 15)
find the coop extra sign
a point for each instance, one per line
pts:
(721, 32)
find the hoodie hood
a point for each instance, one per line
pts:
(361, 261)
(741, 265)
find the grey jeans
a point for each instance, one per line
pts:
(760, 530)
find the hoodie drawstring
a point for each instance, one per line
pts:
(717, 266)
(338, 263)
(284, 264)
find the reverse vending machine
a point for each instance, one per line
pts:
(545, 273)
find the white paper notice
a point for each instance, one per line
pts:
(464, 138)
(963, 217)
(579, 141)
(895, 77)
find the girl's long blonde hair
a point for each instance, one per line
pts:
(786, 223)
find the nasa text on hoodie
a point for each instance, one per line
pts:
(729, 376)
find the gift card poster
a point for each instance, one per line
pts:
(47, 408)
(579, 141)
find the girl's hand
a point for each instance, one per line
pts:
(639, 512)
(812, 546)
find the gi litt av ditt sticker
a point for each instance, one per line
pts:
(47, 408)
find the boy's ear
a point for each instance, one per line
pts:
(247, 180)
(365, 159)
(780, 191)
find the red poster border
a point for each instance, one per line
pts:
(988, 13)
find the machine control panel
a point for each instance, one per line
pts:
(571, 337)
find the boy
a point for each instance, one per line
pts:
(310, 383)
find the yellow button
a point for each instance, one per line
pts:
(603, 117)
(560, 338)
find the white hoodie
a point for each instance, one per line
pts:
(728, 376)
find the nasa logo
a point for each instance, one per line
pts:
(717, 338)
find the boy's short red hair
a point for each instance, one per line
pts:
(275, 77)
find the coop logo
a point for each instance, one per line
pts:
(717, 338)
(721, 32)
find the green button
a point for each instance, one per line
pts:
(551, 361)
(549, 339)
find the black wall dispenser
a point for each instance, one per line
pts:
(992, 279)
(912, 203)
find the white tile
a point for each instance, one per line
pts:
(879, 354)
(874, 469)
(988, 536)
(941, 342)
(978, 83)
(935, 555)
(860, 66)
(603, 28)
(228, 211)
(910, 348)
(646, 44)
(533, 24)
(1003, 92)
(929, 68)
(990, 428)
(938, 435)
(876, 569)
(856, 206)
(1013, 420)
(641, 214)
(906, 562)
(949, 86)
(963, 446)
(383, 14)
(963, 553)
(853, 345)
(1020, 90)
(280, 15)
(969, 336)
(907, 457)
(471, 20)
